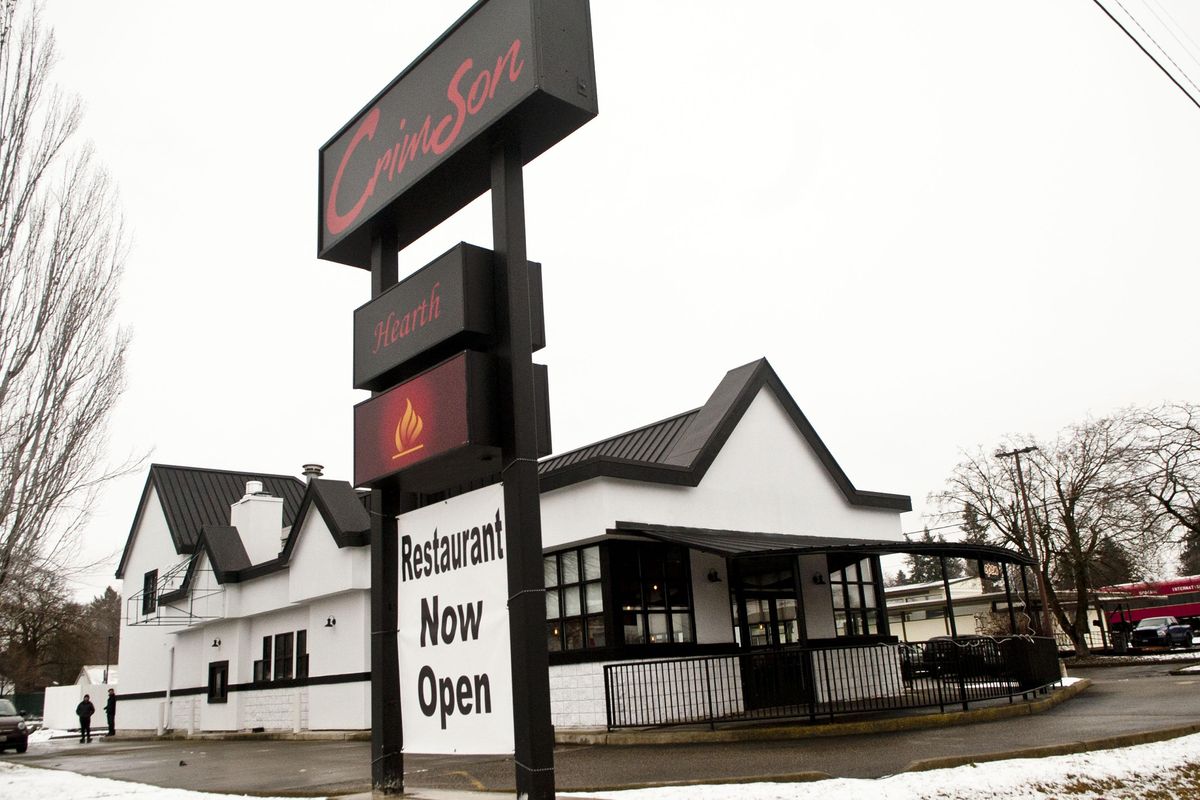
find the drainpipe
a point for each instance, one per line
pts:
(170, 685)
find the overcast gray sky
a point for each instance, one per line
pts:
(942, 222)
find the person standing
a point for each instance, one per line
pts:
(110, 711)
(84, 711)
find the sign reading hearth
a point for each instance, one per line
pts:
(416, 153)
(439, 423)
(442, 308)
(455, 668)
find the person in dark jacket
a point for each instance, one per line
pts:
(110, 711)
(84, 711)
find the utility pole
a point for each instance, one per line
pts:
(1047, 627)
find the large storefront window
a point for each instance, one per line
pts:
(852, 582)
(652, 589)
(574, 600)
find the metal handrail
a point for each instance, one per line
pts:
(826, 682)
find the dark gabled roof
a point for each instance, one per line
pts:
(192, 498)
(649, 445)
(343, 508)
(743, 544)
(679, 450)
(225, 551)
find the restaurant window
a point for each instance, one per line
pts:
(652, 590)
(262, 668)
(301, 654)
(150, 592)
(855, 597)
(574, 600)
(218, 682)
(283, 655)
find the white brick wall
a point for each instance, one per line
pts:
(185, 714)
(847, 674)
(577, 693)
(274, 709)
(577, 696)
(682, 693)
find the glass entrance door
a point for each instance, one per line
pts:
(772, 619)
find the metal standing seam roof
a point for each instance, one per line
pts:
(743, 544)
(648, 445)
(192, 498)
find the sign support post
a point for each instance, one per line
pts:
(387, 734)
(533, 736)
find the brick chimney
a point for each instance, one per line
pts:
(258, 517)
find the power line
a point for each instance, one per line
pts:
(1172, 27)
(1147, 52)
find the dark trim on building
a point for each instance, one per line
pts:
(750, 544)
(290, 683)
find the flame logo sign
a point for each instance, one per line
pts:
(408, 431)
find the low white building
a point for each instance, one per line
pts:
(715, 532)
(94, 680)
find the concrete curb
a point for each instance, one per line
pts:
(769, 733)
(1067, 748)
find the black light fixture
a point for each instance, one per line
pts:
(216, 643)
(330, 622)
(818, 579)
(714, 576)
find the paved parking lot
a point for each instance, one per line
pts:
(1122, 700)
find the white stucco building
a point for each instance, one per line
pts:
(720, 530)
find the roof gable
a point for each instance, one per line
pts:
(192, 498)
(341, 507)
(679, 450)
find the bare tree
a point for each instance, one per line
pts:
(1086, 501)
(62, 357)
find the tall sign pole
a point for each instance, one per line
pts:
(533, 734)
(387, 738)
(447, 354)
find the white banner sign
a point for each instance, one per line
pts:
(455, 668)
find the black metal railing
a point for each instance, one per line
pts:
(825, 682)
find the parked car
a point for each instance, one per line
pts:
(14, 732)
(1162, 632)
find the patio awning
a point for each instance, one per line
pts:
(747, 544)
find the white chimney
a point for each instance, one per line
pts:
(258, 518)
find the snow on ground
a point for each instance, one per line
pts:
(1131, 772)
(46, 734)
(29, 783)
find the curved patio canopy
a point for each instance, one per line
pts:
(748, 544)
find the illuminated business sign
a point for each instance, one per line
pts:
(440, 423)
(417, 152)
(443, 308)
(452, 613)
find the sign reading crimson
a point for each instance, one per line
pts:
(417, 153)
